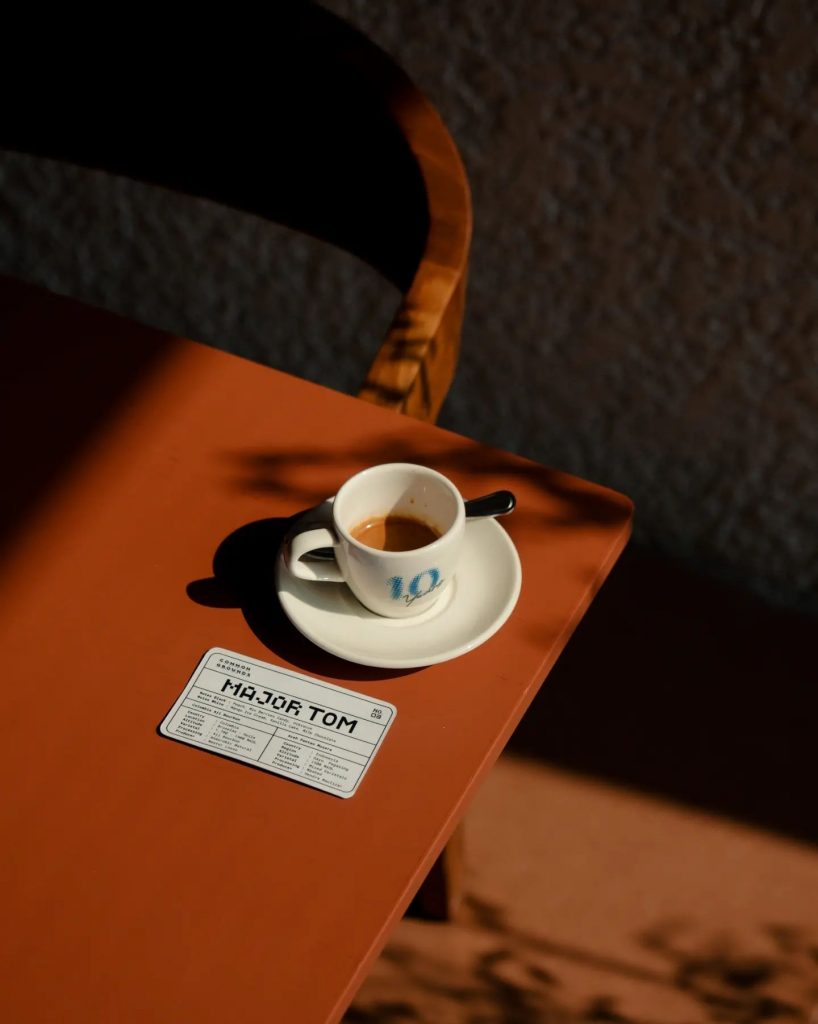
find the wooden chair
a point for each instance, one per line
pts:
(315, 128)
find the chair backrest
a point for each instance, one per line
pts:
(317, 129)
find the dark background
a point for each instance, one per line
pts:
(642, 306)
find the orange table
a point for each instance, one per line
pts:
(148, 881)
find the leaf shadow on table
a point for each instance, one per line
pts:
(244, 577)
(280, 473)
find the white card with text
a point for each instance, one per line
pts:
(280, 721)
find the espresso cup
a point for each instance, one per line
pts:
(404, 503)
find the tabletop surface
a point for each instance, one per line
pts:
(147, 483)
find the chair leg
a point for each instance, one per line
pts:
(441, 893)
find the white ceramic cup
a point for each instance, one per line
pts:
(397, 584)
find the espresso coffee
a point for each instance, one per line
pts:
(394, 533)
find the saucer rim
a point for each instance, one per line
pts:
(420, 661)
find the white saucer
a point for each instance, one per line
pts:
(473, 608)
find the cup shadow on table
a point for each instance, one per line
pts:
(244, 578)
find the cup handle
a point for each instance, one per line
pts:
(302, 544)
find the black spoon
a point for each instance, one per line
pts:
(498, 503)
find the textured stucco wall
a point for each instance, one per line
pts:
(643, 307)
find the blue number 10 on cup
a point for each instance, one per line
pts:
(396, 532)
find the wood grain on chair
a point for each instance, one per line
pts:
(414, 367)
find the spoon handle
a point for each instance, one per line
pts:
(498, 503)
